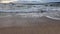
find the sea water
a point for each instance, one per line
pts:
(32, 11)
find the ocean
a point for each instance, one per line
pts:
(30, 11)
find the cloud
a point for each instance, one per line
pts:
(32, 0)
(42, 0)
(51, 0)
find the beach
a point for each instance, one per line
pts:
(29, 19)
(20, 25)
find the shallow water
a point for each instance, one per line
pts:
(31, 11)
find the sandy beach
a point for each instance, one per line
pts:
(20, 25)
(13, 19)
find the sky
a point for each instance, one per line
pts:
(42, 1)
(51, 0)
(7, 1)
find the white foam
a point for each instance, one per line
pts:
(53, 18)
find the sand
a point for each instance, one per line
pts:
(19, 25)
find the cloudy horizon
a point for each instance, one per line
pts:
(42, 1)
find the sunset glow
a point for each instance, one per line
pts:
(8, 1)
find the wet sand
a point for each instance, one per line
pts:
(19, 25)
